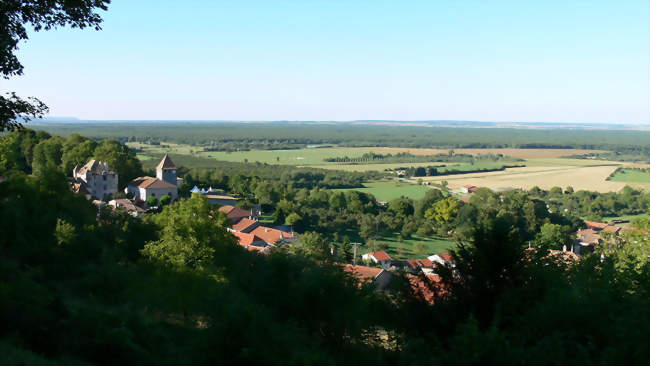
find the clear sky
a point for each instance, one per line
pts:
(565, 61)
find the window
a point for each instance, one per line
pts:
(104, 178)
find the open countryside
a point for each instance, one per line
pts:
(286, 183)
(545, 168)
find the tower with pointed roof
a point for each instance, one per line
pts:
(166, 170)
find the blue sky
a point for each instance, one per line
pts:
(565, 61)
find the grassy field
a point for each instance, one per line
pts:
(315, 156)
(404, 249)
(389, 189)
(631, 176)
(377, 167)
(545, 168)
(626, 217)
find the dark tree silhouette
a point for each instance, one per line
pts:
(15, 15)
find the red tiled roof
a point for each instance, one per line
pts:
(244, 224)
(422, 288)
(380, 255)
(156, 183)
(468, 186)
(149, 182)
(426, 262)
(595, 225)
(234, 213)
(612, 229)
(246, 239)
(446, 257)
(269, 235)
(362, 272)
(589, 236)
(464, 199)
(414, 263)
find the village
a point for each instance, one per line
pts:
(144, 194)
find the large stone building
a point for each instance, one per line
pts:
(164, 184)
(95, 179)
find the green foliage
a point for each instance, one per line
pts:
(120, 158)
(234, 137)
(443, 211)
(190, 234)
(35, 151)
(554, 236)
(152, 201)
(314, 244)
(165, 200)
(47, 154)
(64, 232)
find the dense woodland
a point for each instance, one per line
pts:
(233, 137)
(174, 289)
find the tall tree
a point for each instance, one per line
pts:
(191, 234)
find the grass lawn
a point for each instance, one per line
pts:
(626, 217)
(387, 190)
(404, 250)
(631, 175)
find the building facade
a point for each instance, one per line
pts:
(97, 179)
(164, 184)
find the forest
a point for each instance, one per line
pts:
(224, 136)
(173, 288)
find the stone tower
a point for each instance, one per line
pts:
(166, 170)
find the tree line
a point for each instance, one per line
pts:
(33, 151)
(269, 136)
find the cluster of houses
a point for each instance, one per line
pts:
(421, 273)
(588, 239)
(251, 234)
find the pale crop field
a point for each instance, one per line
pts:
(591, 178)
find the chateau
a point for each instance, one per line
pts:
(95, 179)
(164, 184)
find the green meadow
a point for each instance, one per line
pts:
(387, 190)
(631, 176)
(404, 249)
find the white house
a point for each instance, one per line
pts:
(442, 259)
(163, 185)
(380, 257)
(96, 179)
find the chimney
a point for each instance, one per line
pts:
(266, 229)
